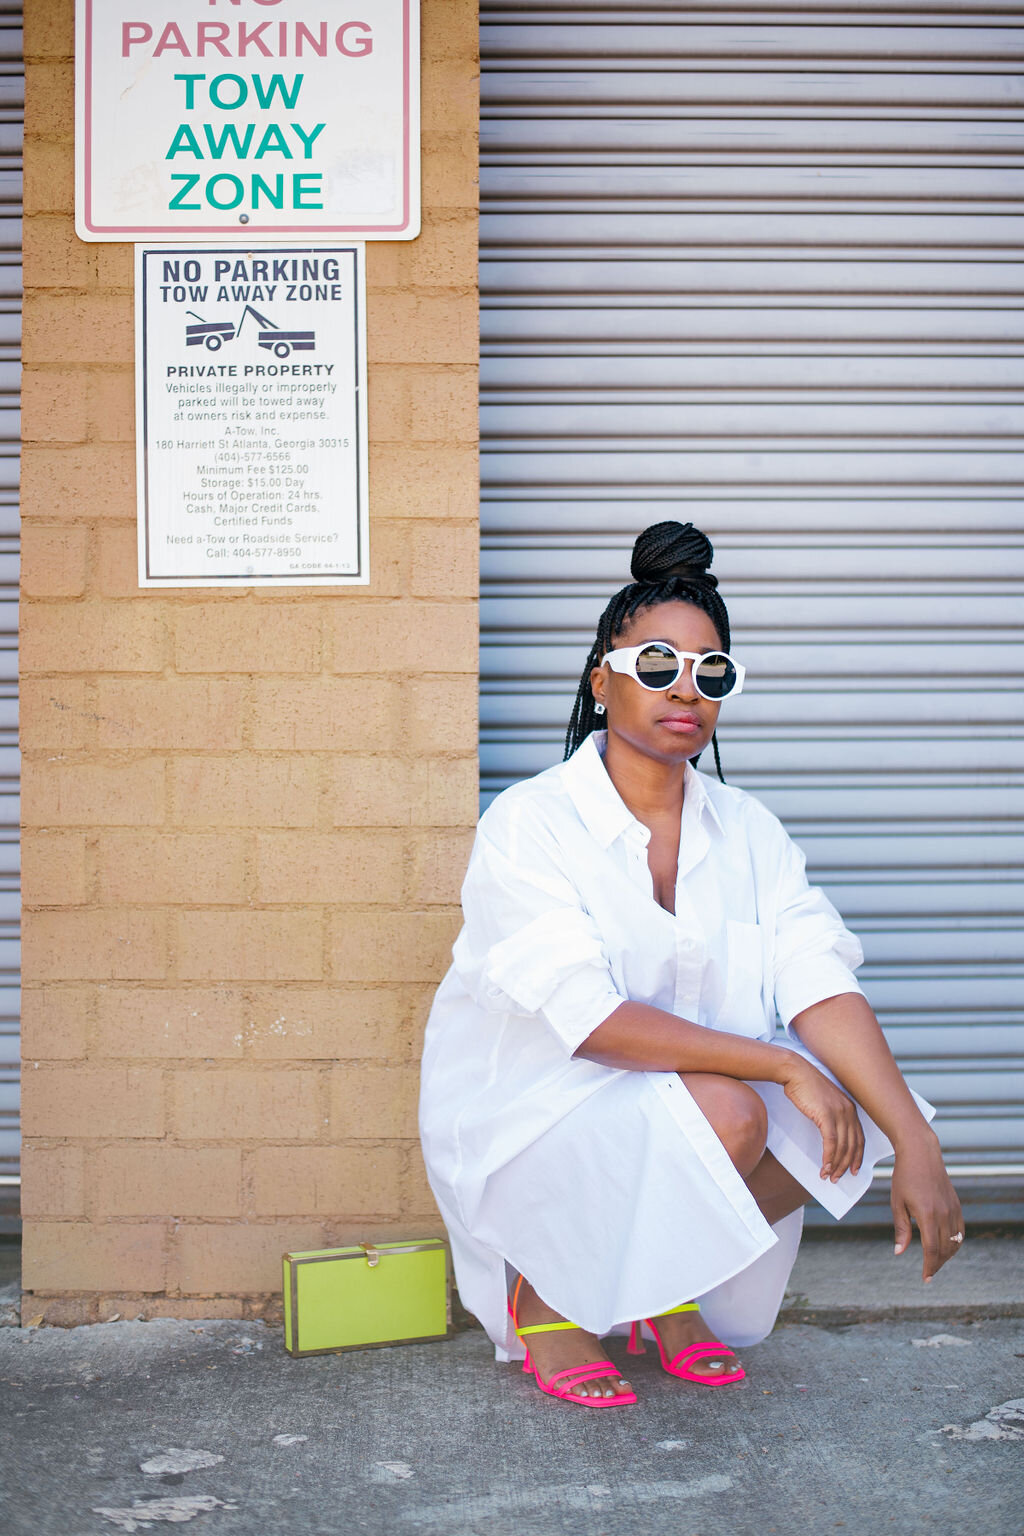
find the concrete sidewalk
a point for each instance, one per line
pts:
(880, 1426)
(841, 1279)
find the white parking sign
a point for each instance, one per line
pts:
(232, 119)
(251, 416)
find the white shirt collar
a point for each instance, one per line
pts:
(603, 811)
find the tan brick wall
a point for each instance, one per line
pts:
(244, 834)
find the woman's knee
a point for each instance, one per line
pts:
(736, 1114)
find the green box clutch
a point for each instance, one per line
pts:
(372, 1294)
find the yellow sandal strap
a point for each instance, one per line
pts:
(684, 1306)
(546, 1328)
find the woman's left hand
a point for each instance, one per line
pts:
(921, 1190)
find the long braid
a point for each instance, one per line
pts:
(669, 565)
(718, 760)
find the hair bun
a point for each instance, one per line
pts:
(672, 549)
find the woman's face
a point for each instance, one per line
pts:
(676, 723)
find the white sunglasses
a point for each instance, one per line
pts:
(658, 665)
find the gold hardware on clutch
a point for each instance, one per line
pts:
(372, 1256)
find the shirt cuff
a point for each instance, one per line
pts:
(523, 971)
(579, 1004)
(809, 981)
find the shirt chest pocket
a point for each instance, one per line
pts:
(743, 1006)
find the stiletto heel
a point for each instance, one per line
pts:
(561, 1383)
(680, 1364)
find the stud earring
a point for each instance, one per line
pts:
(599, 709)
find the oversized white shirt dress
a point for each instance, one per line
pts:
(608, 1188)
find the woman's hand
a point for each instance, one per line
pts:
(832, 1111)
(921, 1190)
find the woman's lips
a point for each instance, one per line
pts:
(682, 724)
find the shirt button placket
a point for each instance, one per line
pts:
(687, 999)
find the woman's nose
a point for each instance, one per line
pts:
(683, 687)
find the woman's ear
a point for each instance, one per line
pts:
(597, 682)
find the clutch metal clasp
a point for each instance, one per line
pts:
(372, 1256)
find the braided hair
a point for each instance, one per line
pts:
(670, 565)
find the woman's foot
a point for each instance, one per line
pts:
(551, 1352)
(680, 1329)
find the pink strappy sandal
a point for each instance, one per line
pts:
(562, 1383)
(680, 1364)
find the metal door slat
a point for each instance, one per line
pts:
(838, 91)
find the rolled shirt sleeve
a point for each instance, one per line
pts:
(528, 944)
(815, 954)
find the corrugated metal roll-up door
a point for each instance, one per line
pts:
(12, 95)
(760, 269)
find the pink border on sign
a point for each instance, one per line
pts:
(130, 230)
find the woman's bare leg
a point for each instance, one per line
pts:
(736, 1114)
(738, 1118)
(742, 1132)
(740, 1122)
(559, 1351)
(776, 1191)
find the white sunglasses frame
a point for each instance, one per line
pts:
(628, 655)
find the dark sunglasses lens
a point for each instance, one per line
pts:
(656, 667)
(715, 675)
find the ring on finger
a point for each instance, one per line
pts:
(956, 1237)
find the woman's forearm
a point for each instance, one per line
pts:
(842, 1032)
(644, 1039)
(845, 1035)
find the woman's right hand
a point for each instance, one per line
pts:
(832, 1111)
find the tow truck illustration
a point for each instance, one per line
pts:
(212, 334)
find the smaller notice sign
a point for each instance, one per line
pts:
(251, 416)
